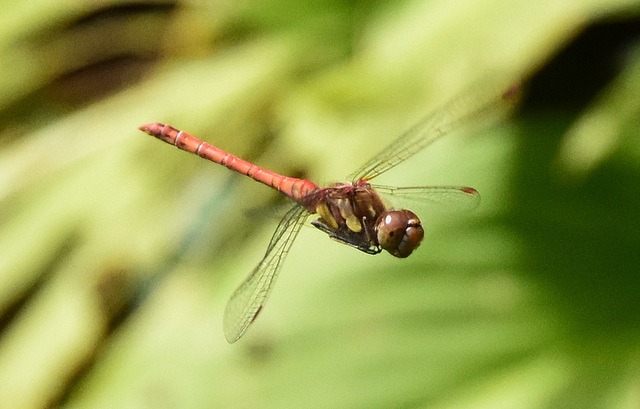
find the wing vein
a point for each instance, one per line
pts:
(247, 301)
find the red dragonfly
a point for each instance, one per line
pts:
(352, 213)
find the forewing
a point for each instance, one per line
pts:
(451, 198)
(247, 301)
(482, 104)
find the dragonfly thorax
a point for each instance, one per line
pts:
(354, 214)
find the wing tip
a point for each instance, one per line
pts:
(470, 191)
(233, 332)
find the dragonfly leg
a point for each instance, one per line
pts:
(346, 239)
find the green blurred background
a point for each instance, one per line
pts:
(118, 252)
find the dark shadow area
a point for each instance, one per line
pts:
(85, 59)
(583, 239)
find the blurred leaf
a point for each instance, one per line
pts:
(119, 252)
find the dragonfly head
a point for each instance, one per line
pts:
(399, 232)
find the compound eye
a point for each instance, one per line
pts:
(399, 232)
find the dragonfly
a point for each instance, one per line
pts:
(353, 213)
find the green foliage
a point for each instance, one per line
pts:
(119, 252)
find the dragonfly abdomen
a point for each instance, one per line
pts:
(292, 187)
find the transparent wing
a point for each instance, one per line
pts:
(451, 197)
(247, 301)
(482, 104)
